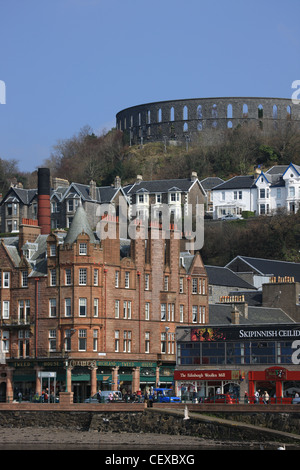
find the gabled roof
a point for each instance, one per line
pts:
(220, 276)
(210, 182)
(268, 267)
(220, 314)
(237, 182)
(163, 186)
(25, 196)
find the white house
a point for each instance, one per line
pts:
(263, 193)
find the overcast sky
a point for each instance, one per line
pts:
(71, 63)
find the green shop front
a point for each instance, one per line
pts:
(31, 379)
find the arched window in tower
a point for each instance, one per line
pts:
(148, 117)
(245, 110)
(199, 126)
(199, 112)
(229, 125)
(288, 112)
(159, 115)
(185, 113)
(260, 111)
(185, 127)
(172, 114)
(275, 112)
(229, 111)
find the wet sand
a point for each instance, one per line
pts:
(62, 439)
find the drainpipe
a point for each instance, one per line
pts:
(105, 272)
(188, 279)
(139, 280)
(36, 313)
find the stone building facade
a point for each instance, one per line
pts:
(205, 118)
(93, 313)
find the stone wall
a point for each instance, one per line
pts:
(204, 118)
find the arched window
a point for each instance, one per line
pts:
(172, 114)
(214, 112)
(288, 112)
(229, 125)
(199, 126)
(159, 115)
(185, 127)
(275, 112)
(245, 110)
(185, 113)
(260, 111)
(148, 117)
(229, 111)
(199, 112)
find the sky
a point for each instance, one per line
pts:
(67, 64)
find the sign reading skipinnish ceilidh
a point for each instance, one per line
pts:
(244, 333)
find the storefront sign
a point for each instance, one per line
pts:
(276, 373)
(206, 375)
(244, 333)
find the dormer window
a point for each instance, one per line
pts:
(82, 248)
(53, 250)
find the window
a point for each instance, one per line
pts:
(147, 281)
(6, 279)
(52, 340)
(117, 274)
(82, 248)
(127, 279)
(67, 340)
(181, 313)
(158, 198)
(82, 340)
(23, 343)
(166, 283)
(174, 197)
(24, 311)
(147, 342)
(82, 276)
(5, 341)
(96, 277)
(96, 304)
(117, 308)
(52, 307)
(181, 285)
(171, 311)
(24, 278)
(68, 312)
(147, 310)
(291, 191)
(163, 312)
(163, 341)
(194, 313)
(278, 193)
(95, 340)
(127, 309)
(194, 285)
(52, 277)
(68, 277)
(82, 307)
(127, 341)
(52, 250)
(117, 340)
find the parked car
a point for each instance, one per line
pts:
(231, 217)
(222, 398)
(105, 397)
(296, 401)
(164, 395)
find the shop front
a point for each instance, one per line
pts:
(200, 384)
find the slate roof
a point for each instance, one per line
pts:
(221, 276)
(210, 182)
(269, 267)
(79, 224)
(26, 196)
(220, 314)
(237, 182)
(162, 186)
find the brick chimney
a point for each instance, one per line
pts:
(44, 212)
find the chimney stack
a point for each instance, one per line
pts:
(44, 212)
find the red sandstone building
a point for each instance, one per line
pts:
(93, 313)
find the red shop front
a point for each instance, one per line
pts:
(276, 375)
